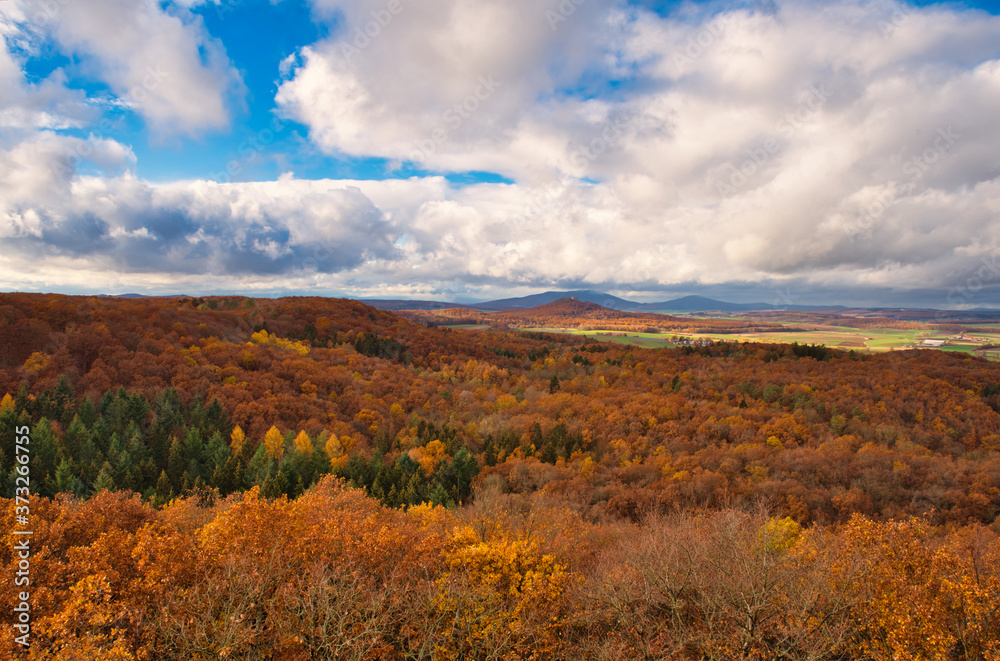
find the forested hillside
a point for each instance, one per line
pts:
(526, 496)
(170, 394)
(572, 313)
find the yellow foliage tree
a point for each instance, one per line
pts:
(503, 595)
(264, 338)
(274, 444)
(303, 444)
(505, 402)
(36, 362)
(236, 439)
(430, 456)
(335, 450)
(7, 402)
(779, 534)
(921, 599)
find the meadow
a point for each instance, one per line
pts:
(873, 340)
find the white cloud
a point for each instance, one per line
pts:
(158, 61)
(451, 84)
(847, 144)
(25, 106)
(824, 106)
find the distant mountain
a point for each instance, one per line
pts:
(397, 304)
(703, 304)
(685, 304)
(143, 296)
(586, 295)
(567, 307)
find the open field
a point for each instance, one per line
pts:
(645, 340)
(840, 337)
(859, 332)
(467, 326)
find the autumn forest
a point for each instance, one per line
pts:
(309, 478)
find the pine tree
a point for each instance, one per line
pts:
(73, 439)
(259, 468)
(87, 413)
(101, 433)
(105, 479)
(164, 492)
(224, 477)
(194, 449)
(176, 465)
(66, 481)
(463, 469)
(90, 460)
(217, 418)
(490, 452)
(277, 486)
(216, 452)
(136, 408)
(439, 495)
(45, 451)
(63, 396)
(411, 495)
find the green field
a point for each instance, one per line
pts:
(840, 337)
(466, 326)
(647, 340)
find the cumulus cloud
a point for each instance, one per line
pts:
(192, 228)
(157, 60)
(453, 85)
(814, 146)
(25, 106)
(802, 139)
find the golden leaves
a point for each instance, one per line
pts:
(274, 443)
(236, 440)
(262, 337)
(303, 444)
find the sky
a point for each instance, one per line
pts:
(781, 151)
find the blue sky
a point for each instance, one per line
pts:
(258, 36)
(844, 151)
